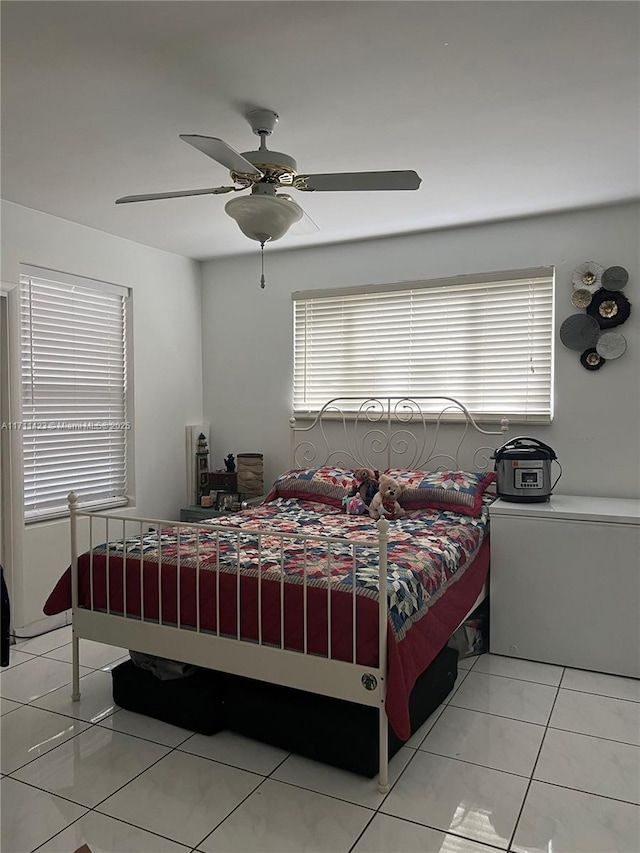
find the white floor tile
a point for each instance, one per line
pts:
(95, 703)
(231, 748)
(526, 670)
(454, 796)
(35, 678)
(416, 739)
(105, 835)
(601, 716)
(485, 739)
(183, 797)
(45, 642)
(385, 834)
(467, 663)
(569, 821)
(505, 697)
(278, 818)
(31, 732)
(94, 655)
(146, 727)
(340, 783)
(7, 705)
(590, 764)
(31, 816)
(92, 765)
(603, 685)
(17, 657)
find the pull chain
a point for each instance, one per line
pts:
(262, 267)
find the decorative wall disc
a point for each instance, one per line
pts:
(591, 359)
(609, 307)
(611, 345)
(614, 278)
(588, 276)
(581, 297)
(579, 331)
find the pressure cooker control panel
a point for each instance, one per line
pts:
(526, 477)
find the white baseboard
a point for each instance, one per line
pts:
(42, 626)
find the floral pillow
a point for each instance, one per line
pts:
(459, 491)
(326, 485)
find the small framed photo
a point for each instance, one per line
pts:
(225, 500)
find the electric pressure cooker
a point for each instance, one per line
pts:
(523, 470)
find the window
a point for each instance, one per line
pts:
(484, 340)
(75, 413)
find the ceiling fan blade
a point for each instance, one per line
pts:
(178, 194)
(305, 225)
(360, 181)
(221, 153)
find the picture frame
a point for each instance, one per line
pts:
(226, 500)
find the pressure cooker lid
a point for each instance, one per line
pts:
(524, 453)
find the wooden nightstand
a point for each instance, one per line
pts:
(196, 513)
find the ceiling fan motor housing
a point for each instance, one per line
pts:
(271, 161)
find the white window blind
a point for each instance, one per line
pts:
(74, 392)
(484, 340)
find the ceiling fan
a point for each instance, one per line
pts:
(266, 214)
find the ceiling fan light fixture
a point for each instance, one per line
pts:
(264, 217)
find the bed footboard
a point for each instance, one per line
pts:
(117, 598)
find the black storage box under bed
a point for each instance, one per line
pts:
(343, 734)
(194, 702)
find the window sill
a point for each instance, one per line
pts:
(63, 512)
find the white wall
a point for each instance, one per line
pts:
(167, 370)
(247, 342)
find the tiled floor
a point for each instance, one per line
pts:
(522, 757)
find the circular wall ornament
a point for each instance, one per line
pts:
(609, 307)
(588, 276)
(611, 345)
(614, 278)
(591, 359)
(579, 331)
(581, 297)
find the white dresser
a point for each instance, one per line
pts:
(565, 582)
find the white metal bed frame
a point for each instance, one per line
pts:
(376, 430)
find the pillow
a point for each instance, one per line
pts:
(325, 485)
(458, 491)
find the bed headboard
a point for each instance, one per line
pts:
(424, 433)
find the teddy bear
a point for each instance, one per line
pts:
(362, 492)
(385, 501)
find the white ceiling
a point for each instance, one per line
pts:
(504, 109)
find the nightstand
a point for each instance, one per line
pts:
(196, 513)
(565, 582)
